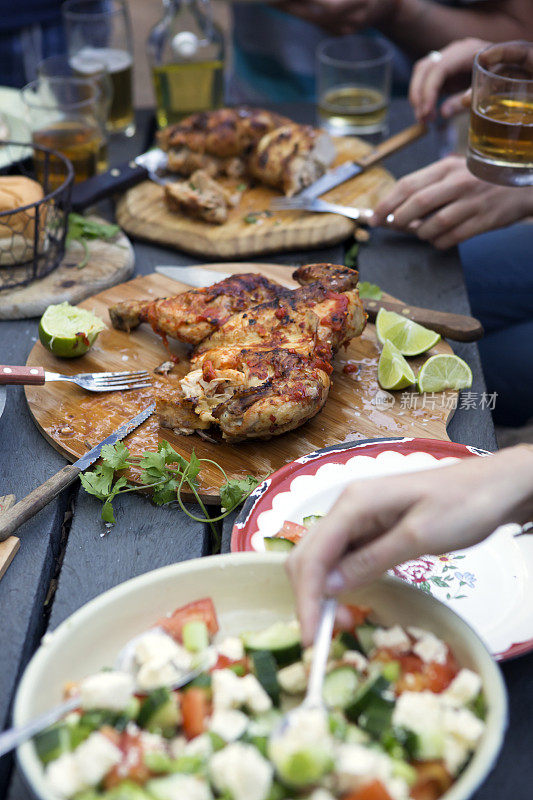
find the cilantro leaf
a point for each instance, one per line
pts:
(98, 481)
(165, 493)
(350, 259)
(193, 468)
(369, 291)
(236, 490)
(108, 513)
(171, 455)
(116, 455)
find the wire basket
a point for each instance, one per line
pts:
(32, 237)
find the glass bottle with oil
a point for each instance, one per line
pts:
(186, 54)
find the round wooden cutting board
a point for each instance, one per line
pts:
(142, 212)
(73, 420)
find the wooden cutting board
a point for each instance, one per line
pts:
(73, 420)
(141, 212)
(109, 263)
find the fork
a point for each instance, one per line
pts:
(92, 381)
(301, 204)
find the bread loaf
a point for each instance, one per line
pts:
(17, 227)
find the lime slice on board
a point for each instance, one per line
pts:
(68, 331)
(410, 338)
(393, 370)
(444, 372)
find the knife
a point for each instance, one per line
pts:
(40, 497)
(350, 169)
(458, 327)
(119, 178)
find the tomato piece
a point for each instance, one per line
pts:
(359, 613)
(291, 531)
(203, 610)
(223, 662)
(417, 676)
(195, 708)
(132, 766)
(371, 791)
(432, 781)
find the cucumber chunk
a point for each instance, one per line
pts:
(340, 687)
(160, 711)
(282, 639)
(365, 637)
(266, 672)
(278, 544)
(52, 743)
(311, 519)
(195, 636)
(391, 671)
(368, 692)
(127, 790)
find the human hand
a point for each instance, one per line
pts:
(378, 523)
(445, 204)
(430, 74)
(339, 17)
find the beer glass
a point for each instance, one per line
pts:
(500, 141)
(63, 115)
(102, 29)
(354, 77)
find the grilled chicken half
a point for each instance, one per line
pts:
(266, 370)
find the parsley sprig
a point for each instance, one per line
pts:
(166, 472)
(83, 229)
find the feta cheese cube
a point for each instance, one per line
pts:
(109, 690)
(153, 742)
(293, 679)
(464, 725)
(158, 645)
(394, 638)
(256, 699)
(199, 746)
(230, 725)
(465, 687)
(177, 746)
(156, 673)
(357, 765)
(242, 771)
(179, 787)
(231, 647)
(321, 794)
(228, 691)
(422, 713)
(455, 754)
(63, 776)
(430, 648)
(95, 757)
(417, 633)
(356, 659)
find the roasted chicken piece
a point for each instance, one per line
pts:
(292, 157)
(266, 370)
(218, 141)
(193, 315)
(200, 197)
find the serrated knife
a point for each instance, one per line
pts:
(458, 327)
(40, 497)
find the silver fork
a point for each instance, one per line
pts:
(301, 204)
(92, 381)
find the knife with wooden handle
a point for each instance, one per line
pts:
(458, 327)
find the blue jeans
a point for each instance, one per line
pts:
(498, 269)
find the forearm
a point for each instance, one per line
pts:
(422, 25)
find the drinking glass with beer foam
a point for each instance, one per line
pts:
(354, 77)
(102, 29)
(64, 115)
(500, 142)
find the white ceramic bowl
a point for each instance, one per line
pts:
(250, 590)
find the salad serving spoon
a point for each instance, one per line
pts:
(125, 663)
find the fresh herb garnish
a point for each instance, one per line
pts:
(369, 291)
(250, 219)
(83, 229)
(166, 472)
(242, 187)
(350, 259)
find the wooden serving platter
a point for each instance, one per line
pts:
(73, 420)
(141, 212)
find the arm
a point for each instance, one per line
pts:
(379, 523)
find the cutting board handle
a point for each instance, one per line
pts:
(37, 499)
(458, 327)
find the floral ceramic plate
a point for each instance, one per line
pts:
(490, 585)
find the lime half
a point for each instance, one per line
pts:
(68, 331)
(444, 372)
(393, 370)
(410, 338)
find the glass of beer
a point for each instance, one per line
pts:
(63, 115)
(102, 29)
(500, 141)
(353, 85)
(89, 69)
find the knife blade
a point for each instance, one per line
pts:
(350, 169)
(458, 327)
(120, 178)
(40, 497)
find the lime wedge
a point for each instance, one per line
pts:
(68, 331)
(444, 372)
(393, 370)
(410, 338)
